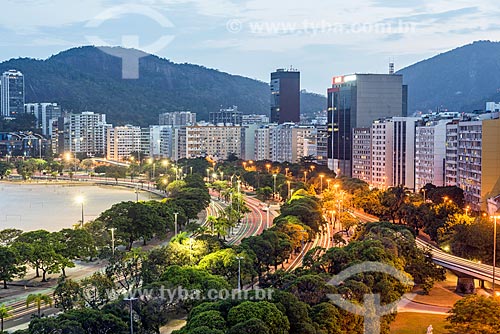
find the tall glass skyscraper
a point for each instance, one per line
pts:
(285, 96)
(355, 101)
(11, 93)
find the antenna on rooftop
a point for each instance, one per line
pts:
(391, 66)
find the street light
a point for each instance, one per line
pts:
(113, 229)
(274, 187)
(208, 174)
(494, 249)
(239, 258)
(268, 166)
(175, 222)
(305, 177)
(80, 200)
(321, 176)
(289, 194)
(467, 208)
(286, 171)
(131, 300)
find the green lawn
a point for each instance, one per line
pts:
(417, 323)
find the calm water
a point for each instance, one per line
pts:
(53, 207)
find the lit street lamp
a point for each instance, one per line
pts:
(305, 177)
(328, 183)
(321, 181)
(268, 166)
(289, 194)
(80, 200)
(274, 187)
(467, 208)
(239, 258)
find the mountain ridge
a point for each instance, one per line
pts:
(86, 78)
(461, 79)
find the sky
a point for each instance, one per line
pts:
(321, 38)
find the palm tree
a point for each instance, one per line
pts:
(211, 221)
(4, 314)
(38, 299)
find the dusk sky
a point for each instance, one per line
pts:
(321, 38)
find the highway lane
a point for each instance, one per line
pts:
(480, 271)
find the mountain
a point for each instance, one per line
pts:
(461, 80)
(88, 79)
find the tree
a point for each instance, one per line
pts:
(116, 172)
(265, 193)
(132, 220)
(212, 319)
(268, 313)
(8, 236)
(5, 169)
(82, 321)
(38, 299)
(10, 265)
(67, 294)
(475, 314)
(4, 314)
(96, 290)
(37, 248)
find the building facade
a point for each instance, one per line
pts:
(217, 142)
(45, 113)
(121, 141)
(451, 159)
(285, 96)
(430, 154)
(11, 93)
(355, 101)
(478, 161)
(177, 118)
(86, 133)
(362, 154)
(226, 116)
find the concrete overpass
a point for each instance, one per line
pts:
(467, 271)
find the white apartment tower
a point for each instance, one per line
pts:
(430, 154)
(86, 133)
(122, 141)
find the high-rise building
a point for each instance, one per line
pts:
(226, 116)
(161, 141)
(11, 93)
(121, 141)
(478, 161)
(45, 113)
(355, 101)
(86, 133)
(262, 139)
(255, 119)
(286, 142)
(430, 154)
(177, 118)
(361, 154)
(215, 141)
(285, 96)
(451, 164)
(322, 144)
